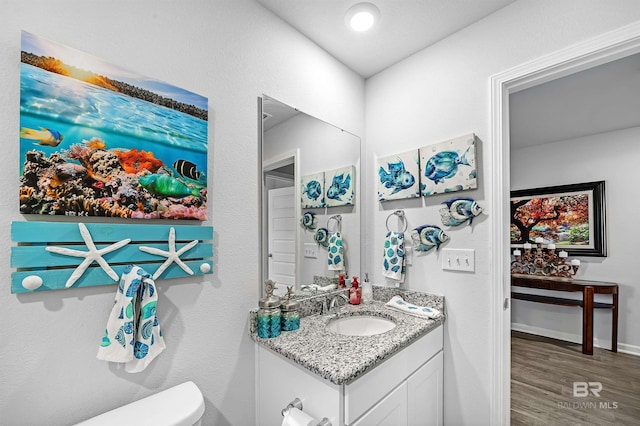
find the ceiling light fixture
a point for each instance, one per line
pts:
(362, 16)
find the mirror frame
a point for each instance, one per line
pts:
(279, 161)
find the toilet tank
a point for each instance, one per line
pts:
(181, 405)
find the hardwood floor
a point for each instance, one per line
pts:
(543, 373)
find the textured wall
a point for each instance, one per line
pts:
(230, 51)
(440, 93)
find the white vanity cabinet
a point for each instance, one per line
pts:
(405, 389)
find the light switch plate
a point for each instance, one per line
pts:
(458, 260)
(408, 255)
(311, 250)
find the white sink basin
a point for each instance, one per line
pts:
(361, 325)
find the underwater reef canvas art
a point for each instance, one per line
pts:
(99, 140)
(339, 186)
(398, 176)
(448, 166)
(312, 191)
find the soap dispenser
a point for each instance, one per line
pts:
(355, 292)
(290, 312)
(367, 290)
(341, 281)
(269, 314)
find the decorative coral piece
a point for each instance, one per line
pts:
(134, 161)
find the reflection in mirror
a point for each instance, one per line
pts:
(309, 169)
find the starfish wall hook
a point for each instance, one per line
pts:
(172, 255)
(89, 256)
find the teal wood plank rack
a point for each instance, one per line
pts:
(56, 255)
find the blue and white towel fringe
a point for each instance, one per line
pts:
(335, 252)
(399, 304)
(133, 335)
(394, 259)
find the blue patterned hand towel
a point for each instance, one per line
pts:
(335, 252)
(393, 265)
(398, 304)
(133, 335)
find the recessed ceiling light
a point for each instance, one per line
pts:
(362, 16)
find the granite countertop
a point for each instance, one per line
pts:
(342, 359)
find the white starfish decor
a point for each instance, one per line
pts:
(172, 255)
(89, 256)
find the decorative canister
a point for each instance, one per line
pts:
(269, 314)
(290, 313)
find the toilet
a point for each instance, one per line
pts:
(181, 405)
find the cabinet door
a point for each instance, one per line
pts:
(425, 402)
(366, 391)
(280, 381)
(390, 411)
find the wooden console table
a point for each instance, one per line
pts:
(586, 288)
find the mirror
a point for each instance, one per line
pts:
(307, 162)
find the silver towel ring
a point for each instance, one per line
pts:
(338, 219)
(402, 217)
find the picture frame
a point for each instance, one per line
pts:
(312, 191)
(449, 166)
(398, 176)
(99, 140)
(570, 216)
(339, 187)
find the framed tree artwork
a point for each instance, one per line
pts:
(570, 216)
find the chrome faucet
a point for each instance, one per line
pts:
(334, 301)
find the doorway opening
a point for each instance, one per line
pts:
(591, 53)
(280, 230)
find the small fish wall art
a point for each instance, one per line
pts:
(428, 237)
(312, 191)
(398, 176)
(309, 221)
(339, 187)
(448, 166)
(459, 210)
(322, 237)
(99, 140)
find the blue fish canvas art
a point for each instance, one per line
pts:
(99, 140)
(448, 166)
(312, 191)
(398, 176)
(339, 187)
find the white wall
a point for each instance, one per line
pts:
(440, 93)
(612, 157)
(231, 51)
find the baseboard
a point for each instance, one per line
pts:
(574, 338)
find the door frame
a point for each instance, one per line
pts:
(596, 51)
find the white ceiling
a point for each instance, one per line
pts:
(594, 101)
(405, 27)
(598, 100)
(274, 112)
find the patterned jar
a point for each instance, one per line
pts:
(269, 314)
(290, 315)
